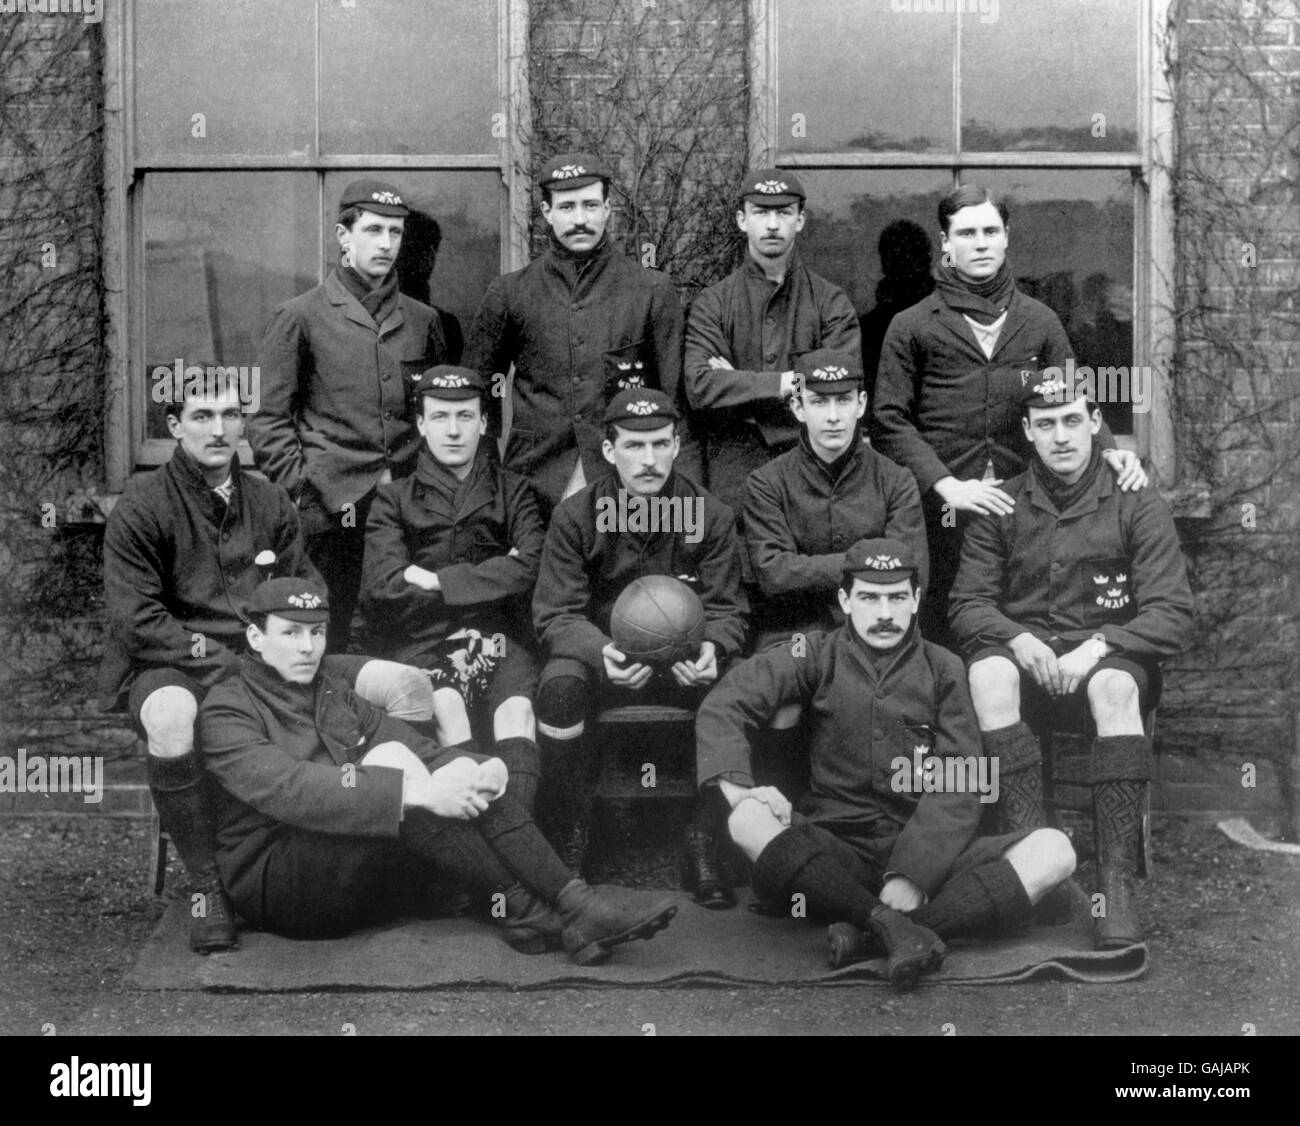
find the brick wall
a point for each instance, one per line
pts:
(1232, 697)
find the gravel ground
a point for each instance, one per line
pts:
(74, 910)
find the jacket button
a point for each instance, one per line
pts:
(577, 379)
(386, 377)
(771, 357)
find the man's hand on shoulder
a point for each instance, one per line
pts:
(901, 894)
(703, 670)
(634, 676)
(1038, 660)
(1127, 467)
(975, 496)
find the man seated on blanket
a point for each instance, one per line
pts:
(884, 844)
(183, 551)
(334, 816)
(451, 559)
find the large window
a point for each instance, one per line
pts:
(243, 120)
(883, 106)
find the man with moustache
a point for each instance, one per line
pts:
(580, 323)
(184, 550)
(746, 332)
(1070, 601)
(337, 366)
(952, 368)
(451, 559)
(896, 873)
(334, 816)
(585, 567)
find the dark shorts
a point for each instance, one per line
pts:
(511, 673)
(866, 856)
(1034, 701)
(315, 885)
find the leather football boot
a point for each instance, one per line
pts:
(593, 923)
(212, 919)
(911, 949)
(701, 873)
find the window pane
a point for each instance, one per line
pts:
(467, 209)
(1037, 76)
(847, 210)
(247, 66)
(863, 77)
(409, 76)
(221, 252)
(1071, 246)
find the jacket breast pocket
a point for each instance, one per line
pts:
(628, 367)
(1109, 587)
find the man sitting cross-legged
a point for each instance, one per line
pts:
(864, 850)
(183, 551)
(451, 559)
(1075, 596)
(334, 816)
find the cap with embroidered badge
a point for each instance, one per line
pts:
(827, 371)
(1042, 390)
(447, 381)
(641, 408)
(299, 600)
(572, 170)
(375, 196)
(771, 187)
(879, 559)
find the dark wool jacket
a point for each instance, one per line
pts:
(800, 519)
(278, 751)
(577, 331)
(860, 719)
(483, 586)
(178, 570)
(1109, 564)
(942, 409)
(584, 571)
(335, 390)
(760, 329)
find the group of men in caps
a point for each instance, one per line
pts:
(324, 792)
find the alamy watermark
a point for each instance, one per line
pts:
(179, 382)
(53, 774)
(1102, 384)
(926, 773)
(987, 10)
(637, 513)
(90, 11)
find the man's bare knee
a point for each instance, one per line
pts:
(403, 691)
(1115, 702)
(995, 692)
(451, 717)
(167, 716)
(514, 719)
(397, 756)
(1042, 860)
(752, 826)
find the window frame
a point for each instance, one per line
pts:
(1150, 165)
(126, 446)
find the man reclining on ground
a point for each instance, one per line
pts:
(334, 816)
